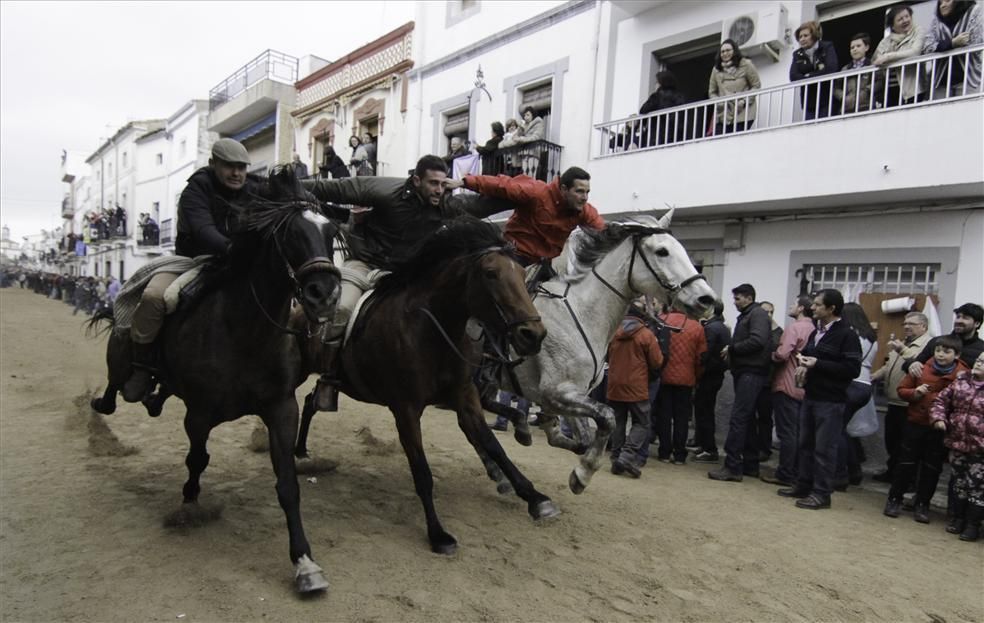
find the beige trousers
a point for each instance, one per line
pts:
(148, 317)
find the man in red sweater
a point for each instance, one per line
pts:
(633, 356)
(545, 214)
(679, 376)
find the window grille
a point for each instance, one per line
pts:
(875, 278)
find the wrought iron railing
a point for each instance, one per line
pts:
(167, 231)
(872, 90)
(539, 159)
(269, 65)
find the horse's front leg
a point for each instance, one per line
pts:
(408, 425)
(570, 400)
(301, 451)
(281, 420)
(472, 423)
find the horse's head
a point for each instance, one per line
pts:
(660, 264)
(305, 241)
(302, 239)
(497, 296)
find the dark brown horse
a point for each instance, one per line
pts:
(409, 348)
(232, 355)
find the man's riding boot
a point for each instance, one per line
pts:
(141, 379)
(326, 391)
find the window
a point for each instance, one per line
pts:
(160, 159)
(538, 96)
(123, 200)
(459, 10)
(182, 147)
(124, 159)
(874, 278)
(109, 169)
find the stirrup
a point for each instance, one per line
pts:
(326, 395)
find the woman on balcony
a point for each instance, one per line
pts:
(814, 58)
(360, 157)
(957, 24)
(491, 161)
(532, 131)
(733, 74)
(905, 41)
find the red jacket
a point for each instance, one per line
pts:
(918, 412)
(686, 349)
(541, 223)
(632, 355)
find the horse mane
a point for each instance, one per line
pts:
(457, 238)
(278, 198)
(586, 247)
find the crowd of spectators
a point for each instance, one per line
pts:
(815, 379)
(513, 149)
(105, 224)
(955, 24)
(86, 294)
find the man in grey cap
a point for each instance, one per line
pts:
(202, 210)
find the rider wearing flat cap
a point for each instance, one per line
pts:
(202, 230)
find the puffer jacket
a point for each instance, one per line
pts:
(633, 354)
(961, 407)
(918, 411)
(687, 350)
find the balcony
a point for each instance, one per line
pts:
(251, 93)
(803, 149)
(67, 209)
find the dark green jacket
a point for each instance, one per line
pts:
(399, 219)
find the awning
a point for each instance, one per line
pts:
(267, 122)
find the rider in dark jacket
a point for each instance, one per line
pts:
(203, 211)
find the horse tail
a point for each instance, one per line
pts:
(92, 328)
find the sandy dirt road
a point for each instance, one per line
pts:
(82, 536)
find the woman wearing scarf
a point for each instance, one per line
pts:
(905, 41)
(733, 74)
(957, 24)
(813, 58)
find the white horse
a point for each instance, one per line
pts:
(582, 310)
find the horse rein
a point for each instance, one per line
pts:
(669, 287)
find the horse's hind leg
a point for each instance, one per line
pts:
(472, 423)
(301, 451)
(569, 400)
(281, 421)
(408, 425)
(521, 425)
(197, 426)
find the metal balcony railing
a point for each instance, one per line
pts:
(872, 90)
(539, 159)
(269, 65)
(167, 231)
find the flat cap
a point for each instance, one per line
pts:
(230, 150)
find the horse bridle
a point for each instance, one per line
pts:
(669, 287)
(508, 326)
(317, 264)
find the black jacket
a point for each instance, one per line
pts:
(749, 351)
(718, 336)
(838, 363)
(663, 97)
(203, 213)
(399, 219)
(336, 167)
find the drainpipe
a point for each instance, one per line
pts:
(594, 74)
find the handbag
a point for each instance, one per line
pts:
(864, 422)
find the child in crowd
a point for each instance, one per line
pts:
(959, 410)
(922, 445)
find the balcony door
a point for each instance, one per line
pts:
(690, 63)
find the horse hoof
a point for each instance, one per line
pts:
(153, 407)
(577, 487)
(445, 546)
(309, 576)
(545, 509)
(504, 487)
(580, 449)
(97, 406)
(523, 437)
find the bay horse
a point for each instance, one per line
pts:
(408, 349)
(231, 354)
(582, 310)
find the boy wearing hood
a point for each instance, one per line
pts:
(633, 356)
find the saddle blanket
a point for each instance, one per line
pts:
(129, 296)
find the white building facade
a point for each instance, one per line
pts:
(862, 202)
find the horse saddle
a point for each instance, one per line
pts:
(185, 291)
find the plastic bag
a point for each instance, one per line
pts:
(865, 420)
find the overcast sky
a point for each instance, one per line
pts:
(72, 73)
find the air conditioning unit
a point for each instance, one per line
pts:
(759, 32)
